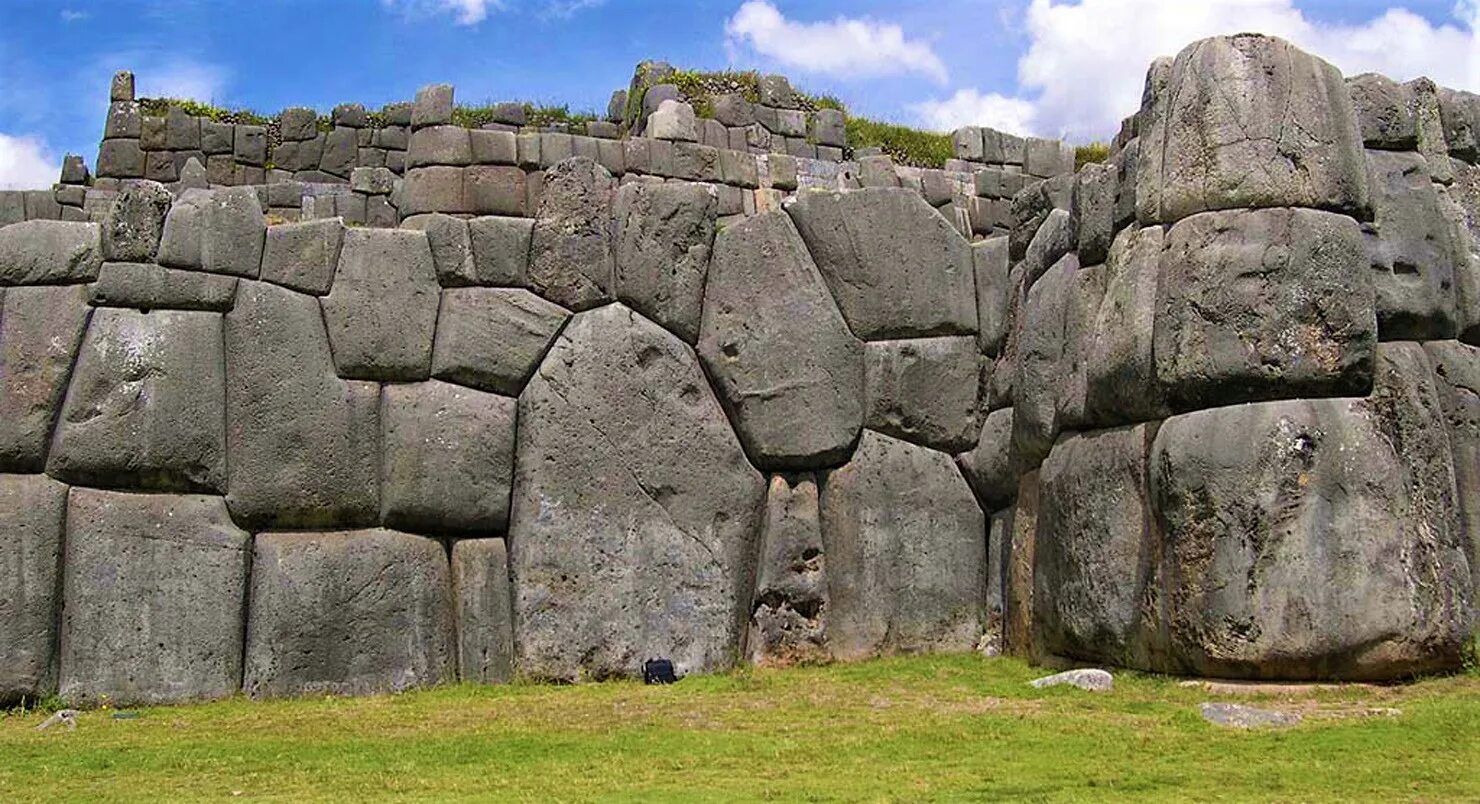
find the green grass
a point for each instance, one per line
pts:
(928, 728)
(1094, 152)
(159, 107)
(908, 146)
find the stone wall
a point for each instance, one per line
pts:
(550, 419)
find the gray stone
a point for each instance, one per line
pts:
(695, 162)
(135, 221)
(1095, 188)
(74, 170)
(635, 511)
(500, 251)
(32, 510)
(41, 252)
(1055, 238)
(154, 591)
(146, 286)
(350, 114)
(788, 619)
(781, 356)
(160, 166)
(1038, 362)
(1030, 208)
(1387, 112)
(991, 467)
(925, 390)
(341, 149)
(440, 145)
(250, 147)
(663, 234)
(570, 251)
(303, 445)
(1120, 373)
(145, 406)
(1238, 716)
(433, 189)
(1088, 679)
(124, 121)
(448, 458)
(673, 120)
(122, 88)
(1249, 121)
(496, 190)
(493, 147)
(492, 339)
(121, 159)
(780, 172)
(40, 329)
(303, 256)
(1457, 382)
(732, 109)
(298, 123)
(1412, 251)
(1253, 498)
(1047, 158)
(181, 130)
(1001, 148)
(348, 613)
(897, 268)
(967, 143)
(382, 311)
(739, 169)
(230, 229)
(1017, 579)
(1263, 304)
(451, 245)
(989, 260)
(483, 597)
(372, 180)
(906, 552)
(1086, 294)
(1460, 113)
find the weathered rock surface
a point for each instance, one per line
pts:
(1387, 112)
(40, 329)
(492, 339)
(991, 467)
(1017, 590)
(906, 552)
(1239, 716)
(635, 512)
(484, 601)
(145, 408)
(788, 620)
(303, 444)
(32, 510)
(1412, 250)
(146, 286)
(448, 458)
(219, 231)
(927, 391)
(897, 267)
(134, 222)
(500, 251)
(154, 588)
(990, 260)
(41, 252)
(1120, 373)
(382, 311)
(348, 613)
(1249, 121)
(1038, 361)
(1263, 304)
(303, 256)
(1457, 382)
(663, 237)
(1087, 679)
(570, 249)
(784, 363)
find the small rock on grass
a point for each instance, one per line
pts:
(1237, 716)
(1091, 679)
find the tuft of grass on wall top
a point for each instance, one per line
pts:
(907, 146)
(159, 107)
(1093, 153)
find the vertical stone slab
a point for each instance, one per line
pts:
(1120, 376)
(1412, 250)
(484, 601)
(906, 552)
(788, 620)
(32, 510)
(155, 590)
(1038, 362)
(382, 310)
(989, 260)
(40, 329)
(570, 250)
(1457, 381)
(663, 236)
(1018, 582)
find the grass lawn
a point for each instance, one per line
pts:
(942, 727)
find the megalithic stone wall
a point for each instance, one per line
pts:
(1208, 408)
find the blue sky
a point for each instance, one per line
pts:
(1054, 67)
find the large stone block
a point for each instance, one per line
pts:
(145, 407)
(1387, 112)
(1038, 362)
(42, 252)
(570, 251)
(635, 512)
(991, 466)
(146, 286)
(1314, 538)
(788, 620)
(32, 510)
(382, 311)
(433, 189)
(1249, 121)
(927, 391)
(897, 267)
(1263, 304)
(154, 591)
(1457, 382)
(1017, 579)
(1120, 372)
(1460, 113)
(452, 247)
(500, 252)
(219, 231)
(484, 601)
(663, 234)
(448, 458)
(348, 613)
(784, 363)
(1412, 250)
(440, 145)
(40, 328)
(134, 222)
(303, 445)
(989, 258)
(492, 339)
(303, 256)
(906, 549)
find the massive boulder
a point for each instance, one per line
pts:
(662, 238)
(484, 603)
(42, 252)
(570, 248)
(788, 620)
(1038, 361)
(134, 222)
(992, 467)
(40, 329)
(32, 510)
(927, 391)
(1249, 121)
(348, 613)
(382, 310)
(1457, 381)
(146, 286)
(635, 512)
(303, 255)
(783, 361)
(1314, 538)
(1120, 379)
(897, 267)
(906, 552)
(154, 589)
(493, 338)
(1387, 112)
(1413, 252)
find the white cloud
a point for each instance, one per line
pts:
(69, 15)
(843, 47)
(180, 78)
(26, 164)
(1087, 60)
(565, 9)
(970, 107)
(466, 12)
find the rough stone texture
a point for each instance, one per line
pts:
(40, 328)
(32, 509)
(1054, 239)
(1387, 112)
(1249, 121)
(672, 121)
(500, 251)
(134, 222)
(1094, 565)
(302, 256)
(1038, 361)
(1017, 630)
(440, 145)
(991, 466)
(433, 106)
(493, 338)
(1086, 294)
(1030, 208)
(897, 267)
(145, 286)
(989, 257)
(382, 311)
(788, 620)
(448, 458)
(180, 240)
(145, 408)
(451, 245)
(1263, 304)
(1314, 539)
(1120, 373)
(234, 229)
(154, 588)
(906, 552)
(784, 363)
(570, 250)
(635, 511)
(1412, 251)
(484, 601)
(1460, 113)
(1088, 679)
(927, 391)
(663, 237)
(1094, 209)
(43, 252)
(1239, 716)
(348, 613)
(303, 444)
(1457, 382)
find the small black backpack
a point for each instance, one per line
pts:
(658, 671)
